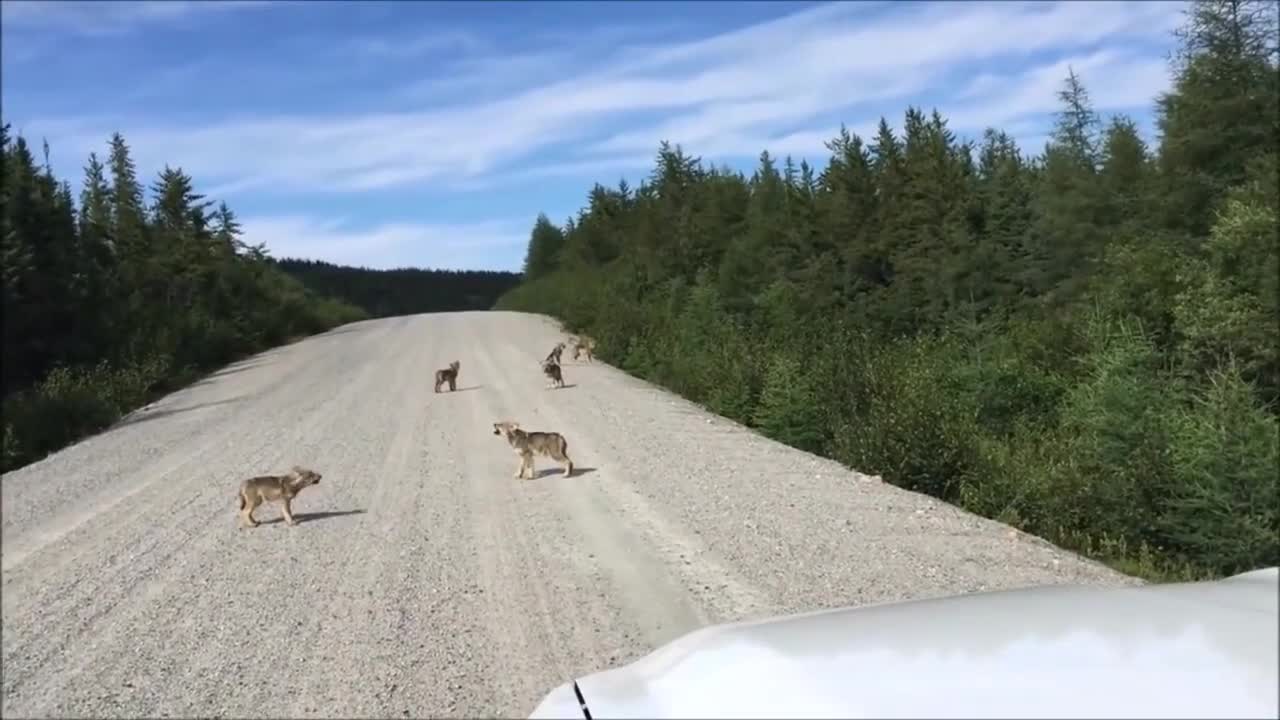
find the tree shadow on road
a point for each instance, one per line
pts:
(232, 369)
(343, 330)
(307, 517)
(148, 415)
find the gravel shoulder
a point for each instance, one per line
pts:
(423, 579)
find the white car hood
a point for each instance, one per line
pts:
(1192, 650)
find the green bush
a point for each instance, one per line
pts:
(1221, 508)
(1230, 308)
(73, 402)
(1009, 390)
(789, 409)
(1112, 438)
(913, 430)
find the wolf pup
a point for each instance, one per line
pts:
(555, 353)
(526, 444)
(274, 488)
(449, 375)
(583, 346)
(553, 372)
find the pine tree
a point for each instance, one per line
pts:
(847, 206)
(788, 409)
(128, 217)
(545, 242)
(1222, 107)
(757, 256)
(17, 265)
(1068, 200)
(1124, 178)
(1003, 191)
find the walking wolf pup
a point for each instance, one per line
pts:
(527, 443)
(274, 488)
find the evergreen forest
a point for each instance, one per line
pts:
(1079, 340)
(401, 291)
(127, 292)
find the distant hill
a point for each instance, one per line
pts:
(403, 291)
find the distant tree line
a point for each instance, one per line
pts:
(125, 294)
(1080, 342)
(404, 291)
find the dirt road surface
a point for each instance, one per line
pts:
(423, 580)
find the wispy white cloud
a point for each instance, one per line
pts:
(489, 74)
(455, 109)
(92, 17)
(414, 46)
(772, 85)
(605, 170)
(478, 246)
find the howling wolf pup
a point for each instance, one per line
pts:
(274, 488)
(526, 444)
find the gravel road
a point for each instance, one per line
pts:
(423, 580)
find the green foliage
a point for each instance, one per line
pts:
(1080, 343)
(788, 409)
(1112, 441)
(705, 357)
(110, 302)
(1229, 308)
(1224, 452)
(1221, 111)
(545, 243)
(70, 403)
(915, 428)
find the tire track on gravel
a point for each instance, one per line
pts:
(671, 582)
(514, 562)
(374, 590)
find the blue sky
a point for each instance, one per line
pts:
(431, 134)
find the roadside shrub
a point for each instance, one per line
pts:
(1108, 459)
(1230, 308)
(12, 451)
(73, 402)
(1009, 391)
(789, 409)
(914, 430)
(1221, 509)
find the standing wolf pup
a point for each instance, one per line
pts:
(553, 372)
(449, 375)
(526, 444)
(583, 346)
(554, 355)
(274, 488)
